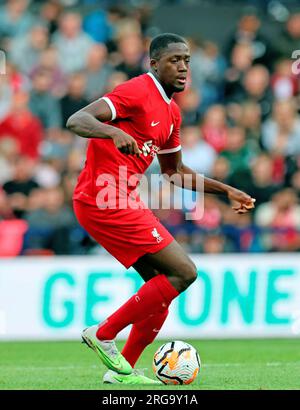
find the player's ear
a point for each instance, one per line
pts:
(153, 64)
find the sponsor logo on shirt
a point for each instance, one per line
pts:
(153, 124)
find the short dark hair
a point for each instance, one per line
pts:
(161, 42)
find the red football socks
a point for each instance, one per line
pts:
(153, 297)
(142, 334)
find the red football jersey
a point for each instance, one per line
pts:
(141, 108)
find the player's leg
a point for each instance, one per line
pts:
(156, 294)
(177, 272)
(141, 335)
(144, 332)
(106, 350)
(174, 263)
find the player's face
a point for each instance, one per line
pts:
(172, 67)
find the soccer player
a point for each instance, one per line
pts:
(127, 128)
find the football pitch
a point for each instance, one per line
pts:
(226, 364)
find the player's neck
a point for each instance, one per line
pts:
(167, 90)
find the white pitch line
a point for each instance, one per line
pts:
(47, 367)
(73, 367)
(269, 364)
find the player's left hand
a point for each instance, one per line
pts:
(242, 202)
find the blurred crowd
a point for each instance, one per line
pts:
(241, 124)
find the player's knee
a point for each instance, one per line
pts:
(192, 274)
(189, 275)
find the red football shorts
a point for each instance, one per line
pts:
(127, 234)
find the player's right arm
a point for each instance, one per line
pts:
(89, 122)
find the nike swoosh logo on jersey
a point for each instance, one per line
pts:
(153, 124)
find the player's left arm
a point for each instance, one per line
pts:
(172, 166)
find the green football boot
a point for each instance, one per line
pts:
(136, 377)
(107, 351)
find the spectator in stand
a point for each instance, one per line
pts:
(281, 213)
(248, 32)
(50, 225)
(11, 236)
(214, 243)
(22, 126)
(123, 25)
(5, 97)
(6, 211)
(75, 99)
(72, 43)
(212, 214)
(15, 20)
(72, 170)
(97, 72)
(221, 170)
(284, 83)
(237, 152)
(207, 64)
(131, 53)
(55, 150)
(256, 89)
(241, 60)
(164, 207)
(31, 45)
(214, 127)
(8, 154)
(295, 183)
(259, 180)
(21, 186)
(98, 26)
(197, 153)
(42, 104)
(50, 13)
(238, 232)
(250, 120)
(281, 132)
(289, 39)
(207, 72)
(48, 63)
(14, 78)
(46, 175)
(115, 15)
(189, 102)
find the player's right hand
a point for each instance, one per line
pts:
(242, 202)
(126, 144)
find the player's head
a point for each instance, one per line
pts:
(169, 59)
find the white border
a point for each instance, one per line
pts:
(160, 88)
(169, 151)
(111, 106)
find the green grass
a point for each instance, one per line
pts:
(226, 364)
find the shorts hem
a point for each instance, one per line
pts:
(164, 245)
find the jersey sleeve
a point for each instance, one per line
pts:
(125, 100)
(173, 144)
